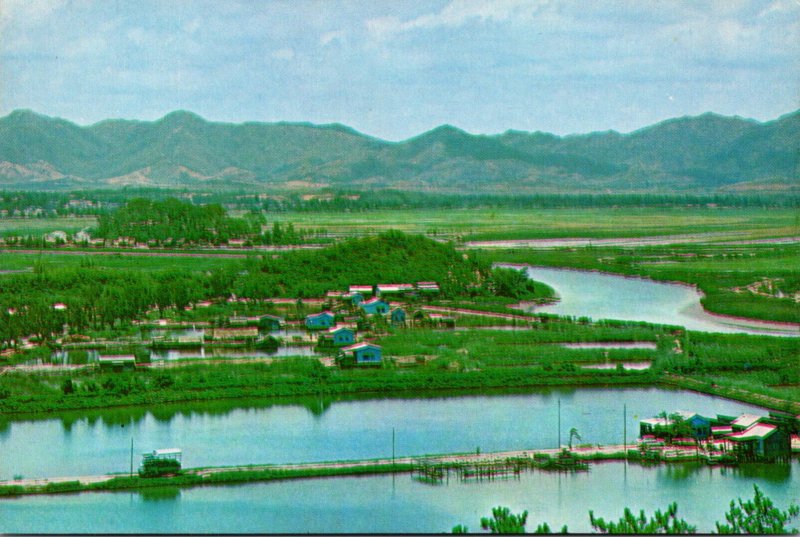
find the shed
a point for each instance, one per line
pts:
(398, 316)
(375, 306)
(363, 290)
(319, 321)
(362, 354)
(116, 361)
(270, 322)
(338, 337)
(234, 333)
(428, 288)
(354, 298)
(761, 441)
(393, 289)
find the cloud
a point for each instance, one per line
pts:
(329, 37)
(283, 54)
(455, 14)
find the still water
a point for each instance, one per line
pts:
(605, 296)
(228, 433)
(399, 504)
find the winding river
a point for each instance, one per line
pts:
(596, 295)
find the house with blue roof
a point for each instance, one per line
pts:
(319, 321)
(375, 306)
(361, 354)
(398, 316)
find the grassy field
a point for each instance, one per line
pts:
(504, 224)
(202, 262)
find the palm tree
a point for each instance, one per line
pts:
(573, 433)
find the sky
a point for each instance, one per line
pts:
(395, 69)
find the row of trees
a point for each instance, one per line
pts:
(758, 516)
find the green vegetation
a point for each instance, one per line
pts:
(757, 516)
(30, 393)
(169, 221)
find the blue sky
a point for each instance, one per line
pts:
(394, 69)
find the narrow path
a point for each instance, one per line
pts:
(462, 311)
(339, 465)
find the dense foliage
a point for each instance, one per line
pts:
(170, 220)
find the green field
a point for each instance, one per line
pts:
(506, 224)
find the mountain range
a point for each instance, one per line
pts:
(706, 153)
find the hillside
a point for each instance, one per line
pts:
(690, 154)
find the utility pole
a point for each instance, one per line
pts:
(625, 430)
(559, 423)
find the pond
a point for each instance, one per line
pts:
(316, 429)
(399, 504)
(606, 296)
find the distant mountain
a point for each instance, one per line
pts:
(703, 153)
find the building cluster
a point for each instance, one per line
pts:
(747, 437)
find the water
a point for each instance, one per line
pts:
(605, 296)
(312, 429)
(398, 504)
(202, 353)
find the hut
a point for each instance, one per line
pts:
(375, 306)
(338, 337)
(761, 441)
(270, 322)
(361, 354)
(363, 290)
(398, 316)
(319, 321)
(117, 362)
(234, 334)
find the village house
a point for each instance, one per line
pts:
(363, 290)
(319, 321)
(393, 289)
(362, 354)
(428, 288)
(248, 333)
(270, 322)
(117, 362)
(749, 437)
(398, 316)
(375, 306)
(337, 337)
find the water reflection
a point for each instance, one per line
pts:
(160, 494)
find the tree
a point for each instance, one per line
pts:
(573, 433)
(504, 521)
(758, 515)
(666, 522)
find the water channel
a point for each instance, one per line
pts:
(232, 433)
(399, 504)
(606, 296)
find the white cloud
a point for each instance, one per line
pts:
(284, 54)
(456, 14)
(329, 37)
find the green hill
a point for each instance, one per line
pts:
(704, 153)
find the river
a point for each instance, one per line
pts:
(598, 296)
